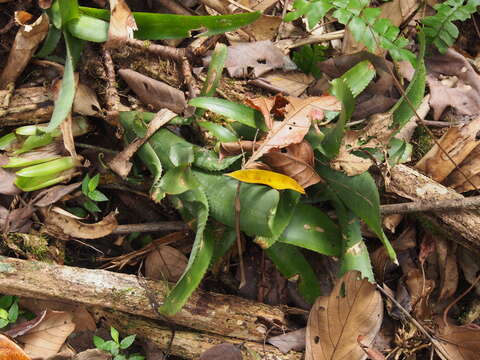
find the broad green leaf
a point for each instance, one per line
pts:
(3, 323)
(96, 195)
(13, 312)
(33, 142)
(360, 194)
(215, 69)
(166, 26)
(68, 10)
(40, 182)
(258, 203)
(91, 206)
(64, 101)
(275, 180)
(89, 28)
(192, 204)
(181, 154)
(7, 140)
(238, 112)
(17, 162)
(114, 334)
(307, 58)
(358, 77)
(6, 301)
(3, 314)
(50, 43)
(402, 110)
(354, 252)
(98, 341)
(28, 130)
(49, 168)
(220, 132)
(93, 183)
(175, 181)
(126, 342)
(291, 263)
(312, 229)
(333, 140)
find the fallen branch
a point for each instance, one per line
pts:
(27, 106)
(464, 203)
(410, 184)
(185, 344)
(151, 227)
(205, 311)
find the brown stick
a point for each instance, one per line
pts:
(215, 313)
(472, 202)
(409, 183)
(186, 344)
(151, 227)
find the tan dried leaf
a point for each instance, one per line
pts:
(457, 142)
(165, 263)
(255, 59)
(447, 267)
(153, 92)
(86, 101)
(296, 161)
(47, 338)
(26, 42)
(75, 228)
(296, 124)
(353, 308)
(468, 169)
(292, 83)
(458, 342)
(122, 24)
(265, 28)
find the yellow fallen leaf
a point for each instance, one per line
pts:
(270, 178)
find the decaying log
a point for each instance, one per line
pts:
(410, 184)
(32, 105)
(204, 311)
(185, 344)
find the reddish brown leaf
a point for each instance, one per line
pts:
(296, 161)
(353, 308)
(372, 353)
(297, 122)
(122, 23)
(458, 342)
(223, 351)
(9, 350)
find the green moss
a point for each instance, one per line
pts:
(422, 142)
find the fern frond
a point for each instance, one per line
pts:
(440, 29)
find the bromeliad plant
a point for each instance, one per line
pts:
(280, 221)
(34, 154)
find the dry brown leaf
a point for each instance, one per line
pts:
(297, 161)
(459, 342)
(293, 340)
(47, 338)
(153, 92)
(265, 28)
(67, 137)
(453, 82)
(24, 327)
(468, 169)
(291, 83)
(165, 263)
(121, 164)
(260, 5)
(27, 40)
(390, 222)
(447, 267)
(77, 229)
(81, 317)
(458, 142)
(270, 106)
(9, 350)
(419, 289)
(86, 101)
(53, 194)
(255, 59)
(297, 122)
(122, 24)
(353, 308)
(7, 183)
(372, 353)
(223, 351)
(92, 354)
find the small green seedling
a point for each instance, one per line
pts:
(115, 346)
(89, 189)
(8, 310)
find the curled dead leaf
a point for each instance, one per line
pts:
(353, 308)
(122, 24)
(296, 161)
(75, 228)
(165, 263)
(458, 342)
(9, 350)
